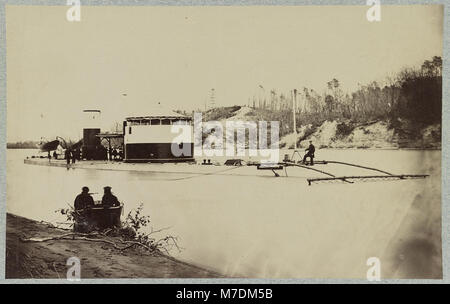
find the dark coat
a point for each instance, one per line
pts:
(83, 200)
(110, 200)
(311, 149)
(67, 154)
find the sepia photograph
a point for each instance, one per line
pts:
(238, 142)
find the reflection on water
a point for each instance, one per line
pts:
(254, 226)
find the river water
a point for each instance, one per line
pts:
(261, 226)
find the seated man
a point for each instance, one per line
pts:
(83, 200)
(311, 149)
(109, 199)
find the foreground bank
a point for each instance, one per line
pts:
(47, 260)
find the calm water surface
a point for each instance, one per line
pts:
(255, 226)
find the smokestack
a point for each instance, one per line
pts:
(91, 127)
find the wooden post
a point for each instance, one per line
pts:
(294, 107)
(109, 151)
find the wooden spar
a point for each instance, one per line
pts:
(309, 168)
(344, 178)
(353, 165)
(320, 171)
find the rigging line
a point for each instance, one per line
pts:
(385, 177)
(204, 174)
(358, 166)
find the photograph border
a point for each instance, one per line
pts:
(445, 193)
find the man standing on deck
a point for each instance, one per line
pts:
(84, 199)
(311, 149)
(67, 156)
(74, 156)
(109, 199)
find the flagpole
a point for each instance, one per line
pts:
(294, 106)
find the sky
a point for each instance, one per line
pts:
(124, 60)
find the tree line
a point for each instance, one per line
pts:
(22, 145)
(414, 94)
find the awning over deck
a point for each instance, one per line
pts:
(109, 135)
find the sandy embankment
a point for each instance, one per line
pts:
(26, 260)
(375, 135)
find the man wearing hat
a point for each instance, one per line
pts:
(109, 199)
(84, 199)
(311, 149)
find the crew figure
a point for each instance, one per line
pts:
(74, 156)
(114, 153)
(109, 199)
(310, 153)
(83, 200)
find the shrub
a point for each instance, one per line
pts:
(343, 129)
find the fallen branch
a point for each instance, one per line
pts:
(139, 244)
(84, 237)
(165, 241)
(38, 240)
(159, 230)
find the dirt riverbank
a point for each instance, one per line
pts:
(47, 260)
